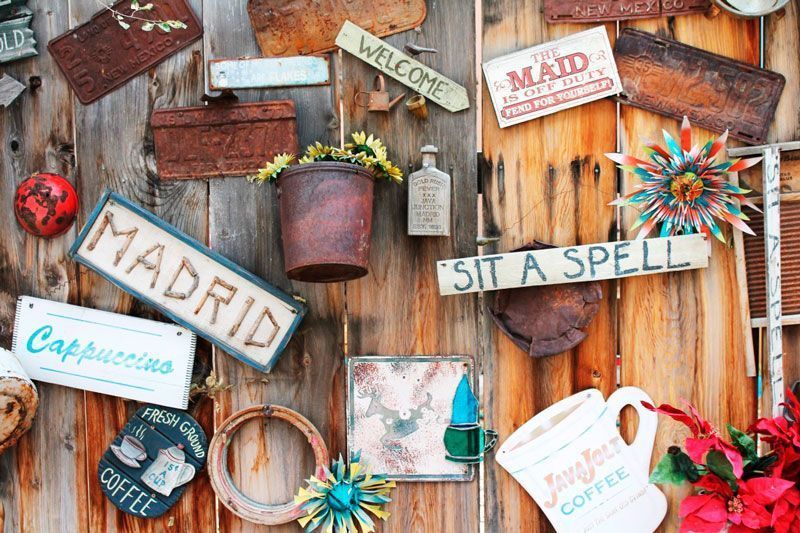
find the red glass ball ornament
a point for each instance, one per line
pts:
(45, 205)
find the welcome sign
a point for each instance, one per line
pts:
(104, 352)
(192, 285)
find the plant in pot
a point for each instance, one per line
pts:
(325, 205)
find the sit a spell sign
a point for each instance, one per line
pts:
(574, 264)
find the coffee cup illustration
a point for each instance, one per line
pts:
(130, 451)
(168, 471)
(573, 461)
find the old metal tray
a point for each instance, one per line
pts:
(556, 11)
(715, 92)
(99, 56)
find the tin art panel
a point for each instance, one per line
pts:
(398, 411)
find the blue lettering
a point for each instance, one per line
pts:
(44, 332)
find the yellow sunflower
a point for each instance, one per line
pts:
(361, 143)
(273, 170)
(317, 151)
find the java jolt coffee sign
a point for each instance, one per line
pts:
(552, 77)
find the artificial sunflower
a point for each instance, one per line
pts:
(341, 500)
(683, 190)
(368, 145)
(273, 170)
(318, 152)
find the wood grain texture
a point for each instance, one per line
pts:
(390, 318)
(269, 461)
(36, 133)
(678, 335)
(546, 180)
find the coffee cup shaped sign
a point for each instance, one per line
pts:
(572, 460)
(150, 462)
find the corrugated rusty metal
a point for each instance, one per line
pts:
(604, 10)
(222, 139)
(99, 56)
(790, 261)
(302, 27)
(715, 92)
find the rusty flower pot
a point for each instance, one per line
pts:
(326, 221)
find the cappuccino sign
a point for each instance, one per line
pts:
(552, 77)
(192, 285)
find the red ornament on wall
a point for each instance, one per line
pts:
(45, 205)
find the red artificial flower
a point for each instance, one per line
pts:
(784, 437)
(786, 513)
(704, 436)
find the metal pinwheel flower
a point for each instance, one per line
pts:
(342, 499)
(683, 190)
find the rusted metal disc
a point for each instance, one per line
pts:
(222, 483)
(549, 319)
(19, 400)
(752, 8)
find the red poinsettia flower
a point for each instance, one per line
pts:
(704, 436)
(784, 437)
(786, 513)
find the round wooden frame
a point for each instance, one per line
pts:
(222, 483)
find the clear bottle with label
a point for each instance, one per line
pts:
(429, 198)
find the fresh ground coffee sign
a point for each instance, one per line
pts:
(552, 77)
(573, 264)
(197, 288)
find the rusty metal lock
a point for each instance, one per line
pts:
(378, 98)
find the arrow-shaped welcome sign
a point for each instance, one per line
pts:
(589, 262)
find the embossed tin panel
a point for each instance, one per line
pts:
(99, 56)
(222, 139)
(556, 11)
(302, 27)
(715, 92)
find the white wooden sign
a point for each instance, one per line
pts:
(104, 352)
(254, 73)
(589, 262)
(553, 76)
(403, 68)
(183, 279)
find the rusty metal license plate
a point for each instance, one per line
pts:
(302, 27)
(100, 56)
(715, 92)
(604, 10)
(222, 139)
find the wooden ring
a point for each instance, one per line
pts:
(230, 496)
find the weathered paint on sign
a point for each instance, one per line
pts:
(591, 262)
(9, 90)
(772, 242)
(429, 198)
(99, 56)
(104, 352)
(13, 8)
(16, 37)
(303, 27)
(677, 80)
(551, 77)
(403, 68)
(605, 10)
(257, 72)
(135, 449)
(184, 280)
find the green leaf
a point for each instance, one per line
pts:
(135, 5)
(758, 466)
(163, 26)
(148, 26)
(124, 24)
(743, 442)
(146, 7)
(669, 470)
(719, 465)
(177, 24)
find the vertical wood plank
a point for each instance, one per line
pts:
(114, 148)
(545, 180)
(270, 461)
(681, 334)
(42, 479)
(396, 309)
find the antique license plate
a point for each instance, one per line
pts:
(552, 76)
(222, 139)
(302, 27)
(606, 10)
(258, 72)
(715, 92)
(99, 56)
(184, 280)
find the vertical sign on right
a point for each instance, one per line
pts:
(772, 232)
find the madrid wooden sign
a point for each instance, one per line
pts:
(573, 264)
(192, 285)
(403, 68)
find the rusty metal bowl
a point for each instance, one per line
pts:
(326, 221)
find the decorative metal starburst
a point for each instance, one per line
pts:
(683, 190)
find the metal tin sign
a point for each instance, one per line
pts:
(403, 68)
(715, 92)
(9, 90)
(591, 262)
(552, 77)
(607, 10)
(158, 449)
(16, 37)
(303, 27)
(258, 72)
(222, 139)
(184, 280)
(99, 56)
(104, 352)
(13, 8)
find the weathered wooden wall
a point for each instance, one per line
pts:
(677, 336)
